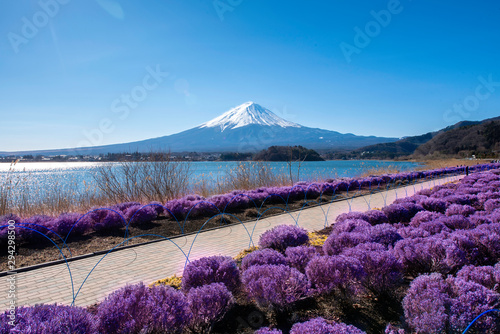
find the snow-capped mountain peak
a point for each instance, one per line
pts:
(247, 114)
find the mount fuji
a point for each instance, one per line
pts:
(247, 114)
(246, 128)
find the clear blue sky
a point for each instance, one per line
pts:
(67, 77)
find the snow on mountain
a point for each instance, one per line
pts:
(249, 113)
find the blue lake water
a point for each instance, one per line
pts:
(78, 176)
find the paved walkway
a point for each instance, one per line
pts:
(154, 261)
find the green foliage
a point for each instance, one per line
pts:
(288, 153)
(235, 156)
(478, 139)
(492, 132)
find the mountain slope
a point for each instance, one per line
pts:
(409, 145)
(246, 128)
(482, 138)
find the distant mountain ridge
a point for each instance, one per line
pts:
(408, 145)
(463, 139)
(469, 138)
(246, 128)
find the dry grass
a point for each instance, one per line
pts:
(19, 194)
(143, 182)
(442, 163)
(251, 175)
(126, 181)
(245, 252)
(425, 165)
(6, 188)
(173, 281)
(245, 176)
(380, 171)
(316, 239)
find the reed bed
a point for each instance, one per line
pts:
(114, 183)
(244, 176)
(142, 181)
(23, 194)
(380, 170)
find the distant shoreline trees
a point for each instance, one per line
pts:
(288, 153)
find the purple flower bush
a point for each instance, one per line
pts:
(424, 217)
(336, 243)
(298, 257)
(480, 218)
(376, 217)
(35, 228)
(354, 215)
(192, 205)
(491, 205)
(213, 269)
(320, 326)
(457, 222)
(391, 329)
(102, 220)
(122, 207)
(469, 300)
(427, 255)
(139, 214)
(275, 287)
(426, 303)
(384, 234)
(437, 226)
(351, 225)
(70, 223)
(49, 319)
(486, 243)
(461, 198)
(441, 192)
(487, 276)
(397, 213)
(283, 236)
(436, 305)
(338, 273)
(434, 204)
(4, 232)
(458, 209)
(208, 304)
(482, 197)
(137, 309)
(413, 208)
(383, 271)
(263, 256)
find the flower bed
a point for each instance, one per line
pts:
(125, 215)
(428, 263)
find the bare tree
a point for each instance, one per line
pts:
(291, 161)
(158, 179)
